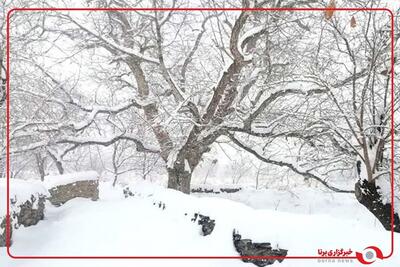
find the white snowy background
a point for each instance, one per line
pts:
(275, 204)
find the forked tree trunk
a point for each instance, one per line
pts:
(369, 196)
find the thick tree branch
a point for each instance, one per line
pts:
(247, 122)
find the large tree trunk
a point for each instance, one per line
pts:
(187, 159)
(369, 196)
(179, 179)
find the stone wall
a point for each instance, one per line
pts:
(63, 193)
(28, 209)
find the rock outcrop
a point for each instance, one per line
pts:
(31, 211)
(246, 247)
(207, 224)
(26, 214)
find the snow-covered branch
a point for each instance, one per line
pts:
(136, 55)
(304, 173)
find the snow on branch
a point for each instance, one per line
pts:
(195, 47)
(106, 142)
(114, 45)
(304, 173)
(83, 141)
(176, 91)
(102, 110)
(264, 104)
(248, 39)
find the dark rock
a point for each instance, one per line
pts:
(160, 205)
(195, 217)
(207, 225)
(127, 192)
(29, 215)
(246, 247)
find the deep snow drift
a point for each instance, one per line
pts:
(301, 221)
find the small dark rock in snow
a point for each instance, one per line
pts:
(246, 247)
(207, 225)
(128, 192)
(160, 205)
(195, 217)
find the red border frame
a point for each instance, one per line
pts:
(9, 13)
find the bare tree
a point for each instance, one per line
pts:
(305, 91)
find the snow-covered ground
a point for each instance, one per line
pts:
(302, 221)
